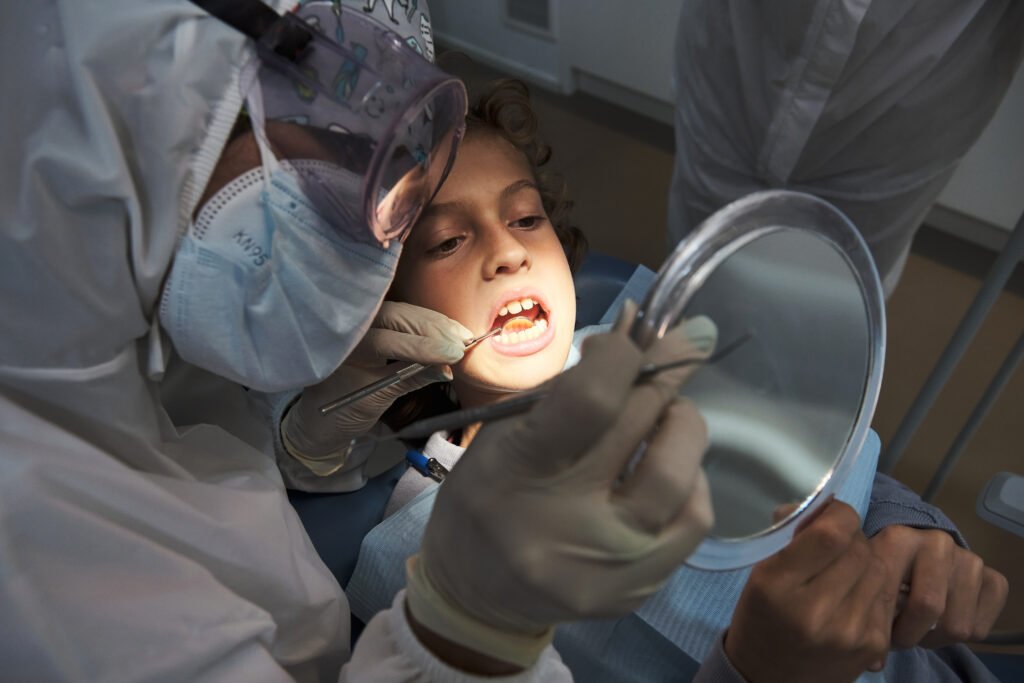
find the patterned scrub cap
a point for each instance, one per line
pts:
(364, 96)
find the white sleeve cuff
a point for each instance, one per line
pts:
(389, 649)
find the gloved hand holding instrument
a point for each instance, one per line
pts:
(566, 538)
(400, 332)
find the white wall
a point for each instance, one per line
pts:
(626, 43)
(478, 28)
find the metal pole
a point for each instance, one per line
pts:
(987, 295)
(980, 411)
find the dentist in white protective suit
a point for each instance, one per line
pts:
(144, 224)
(868, 104)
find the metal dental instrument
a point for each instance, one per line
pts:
(403, 373)
(523, 402)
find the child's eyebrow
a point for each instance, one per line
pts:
(518, 186)
(436, 209)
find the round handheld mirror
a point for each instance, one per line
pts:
(788, 411)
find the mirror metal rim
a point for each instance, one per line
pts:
(688, 267)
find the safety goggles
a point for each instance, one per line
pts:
(331, 86)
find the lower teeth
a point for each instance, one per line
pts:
(525, 335)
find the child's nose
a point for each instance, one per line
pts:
(506, 254)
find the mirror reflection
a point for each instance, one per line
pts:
(781, 409)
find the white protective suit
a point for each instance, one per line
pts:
(132, 549)
(869, 104)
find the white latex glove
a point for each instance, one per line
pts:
(534, 527)
(399, 332)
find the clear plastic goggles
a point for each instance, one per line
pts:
(338, 88)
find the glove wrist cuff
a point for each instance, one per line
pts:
(321, 465)
(437, 613)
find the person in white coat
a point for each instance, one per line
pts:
(869, 105)
(134, 546)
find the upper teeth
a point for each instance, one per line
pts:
(516, 307)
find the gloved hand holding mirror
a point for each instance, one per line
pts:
(566, 537)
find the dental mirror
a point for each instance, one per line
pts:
(789, 411)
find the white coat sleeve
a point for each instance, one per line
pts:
(112, 573)
(388, 651)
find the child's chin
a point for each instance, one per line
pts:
(526, 378)
(514, 374)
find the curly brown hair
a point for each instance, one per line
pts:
(503, 108)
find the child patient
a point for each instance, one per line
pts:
(494, 249)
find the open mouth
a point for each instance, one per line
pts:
(521, 320)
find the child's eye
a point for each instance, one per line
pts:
(528, 222)
(447, 247)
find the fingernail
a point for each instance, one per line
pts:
(702, 333)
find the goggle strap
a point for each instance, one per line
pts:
(253, 93)
(259, 21)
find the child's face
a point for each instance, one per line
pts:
(485, 254)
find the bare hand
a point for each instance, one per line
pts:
(953, 597)
(818, 610)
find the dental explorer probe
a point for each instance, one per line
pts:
(406, 372)
(523, 402)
